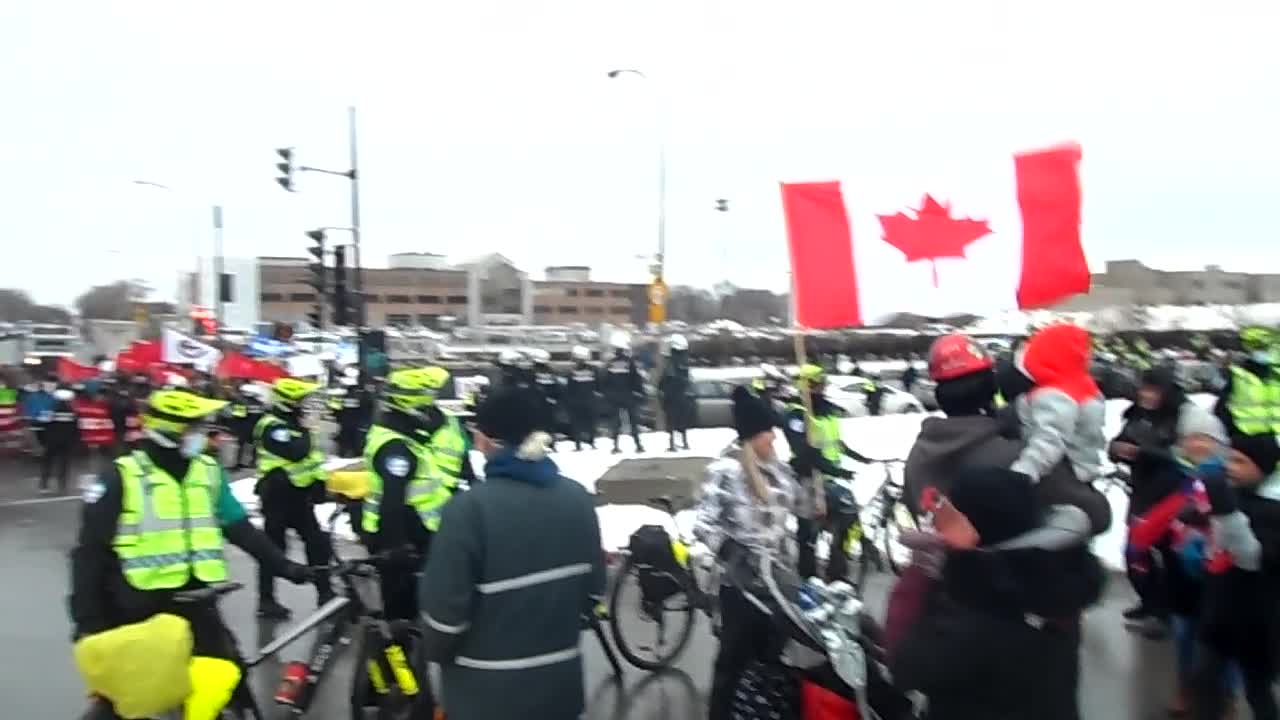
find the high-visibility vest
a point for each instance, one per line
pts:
(428, 489)
(168, 531)
(302, 473)
(1253, 403)
(449, 446)
(825, 434)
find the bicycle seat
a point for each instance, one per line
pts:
(664, 502)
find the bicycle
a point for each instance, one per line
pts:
(697, 582)
(878, 527)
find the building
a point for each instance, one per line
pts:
(423, 288)
(1130, 282)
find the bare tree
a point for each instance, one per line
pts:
(116, 301)
(17, 306)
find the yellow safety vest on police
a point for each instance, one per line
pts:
(825, 435)
(302, 473)
(450, 448)
(168, 531)
(427, 492)
(1254, 402)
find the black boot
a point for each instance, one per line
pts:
(269, 609)
(684, 439)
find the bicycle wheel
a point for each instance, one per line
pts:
(898, 518)
(669, 623)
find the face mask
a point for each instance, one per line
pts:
(193, 444)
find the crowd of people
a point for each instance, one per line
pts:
(985, 623)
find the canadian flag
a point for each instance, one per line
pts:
(976, 238)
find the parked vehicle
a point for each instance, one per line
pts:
(847, 392)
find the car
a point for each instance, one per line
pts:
(712, 390)
(847, 392)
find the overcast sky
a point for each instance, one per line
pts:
(491, 126)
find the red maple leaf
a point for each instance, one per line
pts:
(932, 234)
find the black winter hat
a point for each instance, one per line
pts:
(1261, 449)
(971, 394)
(510, 414)
(1000, 503)
(751, 415)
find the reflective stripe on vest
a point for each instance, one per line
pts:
(824, 434)
(450, 447)
(427, 491)
(302, 473)
(1250, 403)
(168, 531)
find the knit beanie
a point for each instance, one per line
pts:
(1261, 449)
(999, 503)
(751, 414)
(509, 415)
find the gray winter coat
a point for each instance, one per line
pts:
(946, 443)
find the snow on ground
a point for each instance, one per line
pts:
(887, 437)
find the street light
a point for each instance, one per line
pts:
(658, 294)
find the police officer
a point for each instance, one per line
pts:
(623, 387)
(157, 521)
(581, 386)
(291, 475)
(408, 485)
(1249, 403)
(873, 395)
(344, 403)
(819, 451)
(547, 384)
(61, 433)
(676, 392)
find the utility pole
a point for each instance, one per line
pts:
(288, 168)
(355, 217)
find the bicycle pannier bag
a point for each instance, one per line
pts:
(650, 548)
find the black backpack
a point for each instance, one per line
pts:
(660, 572)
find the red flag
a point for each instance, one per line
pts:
(70, 371)
(237, 365)
(991, 239)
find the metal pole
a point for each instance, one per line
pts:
(217, 266)
(662, 197)
(355, 217)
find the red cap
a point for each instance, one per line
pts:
(957, 355)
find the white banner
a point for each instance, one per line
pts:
(305, 366)
(182, 350)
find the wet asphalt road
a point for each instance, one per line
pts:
(1124, 677)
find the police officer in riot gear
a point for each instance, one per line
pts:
(676, 392)
(291, 479)
(547, 386)
(345, 404)
(581, 385)
(623, 387)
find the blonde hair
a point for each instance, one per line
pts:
(756, 483)
(534, 446)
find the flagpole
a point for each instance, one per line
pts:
(802, 359)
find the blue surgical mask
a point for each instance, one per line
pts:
(193, 444)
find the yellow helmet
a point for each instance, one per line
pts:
(288, 393)
(410, 389)
(172, 411)
(812, 374)
(1257, 338)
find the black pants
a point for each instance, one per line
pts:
(55, 459)
(1149, 581)
(246, 449)
(1210, 698)
(746, 635)
(348, 437)
(616, 410)
(842, 513)
(286, 507)
(582, 423)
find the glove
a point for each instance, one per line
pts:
(1213, 475)
(298, 574)
(1191, 553)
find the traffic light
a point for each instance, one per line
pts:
(722, 205)
(286, 168)
(341, 311)
(318, 279)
